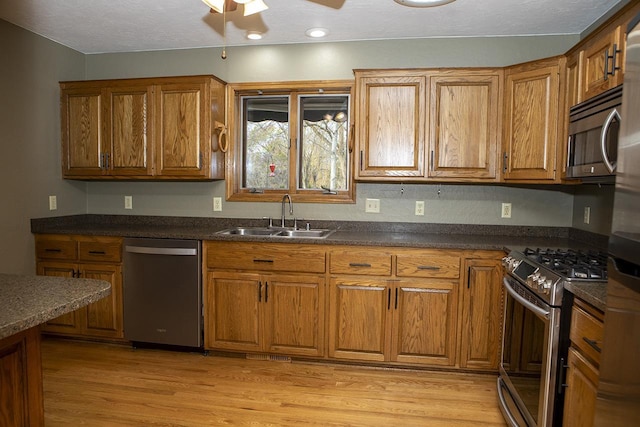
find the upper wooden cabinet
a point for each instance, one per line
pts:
(533, 120)
(403, 115)
(391, 119)
(153, 128)
(602, 63)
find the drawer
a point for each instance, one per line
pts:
(371, 263)
(428, 265)
(265, 257)
(49, 247)
(586, 330)
(100, 250)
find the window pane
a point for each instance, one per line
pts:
(324, 142)
(265, 142)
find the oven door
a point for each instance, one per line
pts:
(529, 365)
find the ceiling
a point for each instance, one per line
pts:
(101, 26)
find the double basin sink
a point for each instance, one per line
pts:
(318, 233)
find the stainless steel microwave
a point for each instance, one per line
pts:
(594, 126)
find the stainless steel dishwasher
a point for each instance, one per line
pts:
(163, 292)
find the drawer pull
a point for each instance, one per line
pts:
(53, 250)
(593, 344)
(263, 260)
(359, 264)
(428, 267)
(97, 252)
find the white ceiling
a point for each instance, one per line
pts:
(99, 26)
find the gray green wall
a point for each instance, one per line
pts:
(30, 134)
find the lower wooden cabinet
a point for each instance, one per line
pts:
(69, 256)
(21, 380)
(404, 321)
(481, 321)
(273, 313)
(583, 362)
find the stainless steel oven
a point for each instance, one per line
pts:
(537, 318)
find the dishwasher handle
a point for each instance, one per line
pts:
(161, 251)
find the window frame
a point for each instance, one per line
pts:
(234, 160)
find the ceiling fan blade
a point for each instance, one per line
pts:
(334, 4)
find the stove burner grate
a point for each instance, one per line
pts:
(570, 263)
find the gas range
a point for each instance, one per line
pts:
(544, 271)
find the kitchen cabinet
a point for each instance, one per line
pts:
(602, 62)
(91, 258)
(402, 115)
(255, 304)
(482, 303)
(377, 314)
(391, 124)
(21, 380)
(152, 128)
(533, 124)
(586, 333)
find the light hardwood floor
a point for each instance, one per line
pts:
(97, 384)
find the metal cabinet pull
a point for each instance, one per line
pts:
(53, 250)
(259, 291)
(593, 344)
(505, 161)
(359, 264)
(97, 252)
(428, 267)
(263, 260)
(266, 291)
(389, 299)
(396, 304)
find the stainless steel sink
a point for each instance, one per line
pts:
(250, 231)
(319, 233)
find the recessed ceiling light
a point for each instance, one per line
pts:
(254, 35)
(317, 32)
(423, 3)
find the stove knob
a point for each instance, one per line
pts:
(532, 280)
(540, 283)
(506, 261)
(546, 286)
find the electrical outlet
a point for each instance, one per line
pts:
(128, 202)
(372, 206)
(53, 203)
(419, 207)
(217, 204)
(506, 210)
(587, 214)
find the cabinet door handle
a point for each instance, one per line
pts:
(432, 161)
(97, 252)
(389, 299)
(562, 384)
(263, 260)
(505, 161)
(107, 162)
(266, 291)
(259, 291)
(359, 264)
(396, 303)
(606, 64)
(53, 250)
(593, 344)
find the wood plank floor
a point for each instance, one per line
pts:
(99, 384)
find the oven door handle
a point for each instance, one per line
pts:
(527, 304)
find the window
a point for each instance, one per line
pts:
(292, 139)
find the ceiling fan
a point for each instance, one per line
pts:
(250, 6)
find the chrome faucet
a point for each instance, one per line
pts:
(284, 198)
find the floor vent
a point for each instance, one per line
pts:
(269, 357)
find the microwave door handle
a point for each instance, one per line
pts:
(603, 139)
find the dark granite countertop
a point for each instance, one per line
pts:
(593, 293)
(419, 235)
(27, 301)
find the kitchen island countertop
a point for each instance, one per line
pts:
(28, 301)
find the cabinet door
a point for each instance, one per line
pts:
(182, 129)
(531, 122)
(359, 321)
(424, 330)
(69, 322)
(602, 63)
(464, 126)
(104, 317)
(82, 125)
(391, 118)
(482, 303)
(581, 391)
(128, 134)
(294, 314)
(234, 302)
